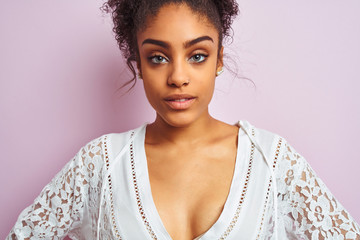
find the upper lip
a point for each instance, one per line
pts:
(178, 96)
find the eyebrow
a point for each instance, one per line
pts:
(156, 42)
(197, 40)
(187, 44)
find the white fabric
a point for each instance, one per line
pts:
(94, 196)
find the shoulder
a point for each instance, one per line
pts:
(286, 160)
(271, 143)
(260, 134)
(287, 163)
(99, 150)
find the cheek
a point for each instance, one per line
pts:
(149, 89)
(210, 90)
(152, 92)
(207, 83)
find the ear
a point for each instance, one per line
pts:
(138, 65)
(220, 62)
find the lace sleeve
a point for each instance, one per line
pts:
(308, 208)
(59, 208)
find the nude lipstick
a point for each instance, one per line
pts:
(180, 101)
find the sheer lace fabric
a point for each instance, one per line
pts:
(69, 204)
(307, 209)
(60, 208)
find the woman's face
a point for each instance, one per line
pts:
(178, 63)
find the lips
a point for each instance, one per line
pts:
(180, 101)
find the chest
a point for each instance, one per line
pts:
(190, 188)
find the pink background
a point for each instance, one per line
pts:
(60, 67)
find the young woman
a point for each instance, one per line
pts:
(186, 175)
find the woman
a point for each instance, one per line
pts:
(186, 175)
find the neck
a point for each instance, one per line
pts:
(160, 131)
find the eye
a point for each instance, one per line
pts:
(198, 58)
(157, 59)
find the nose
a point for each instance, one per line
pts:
(178, 76)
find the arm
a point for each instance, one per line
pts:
(307, 205)
(59, 208)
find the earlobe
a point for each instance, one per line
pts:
(138, 65)
(219, 72)
(220, 63)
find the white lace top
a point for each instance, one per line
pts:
(104, 193)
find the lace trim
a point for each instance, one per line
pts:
(238, 209)
(117, 234)
(269, 187)
(237, 213)
(137, 193)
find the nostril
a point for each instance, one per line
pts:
(178, 82)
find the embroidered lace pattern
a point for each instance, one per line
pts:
(137, 193)
(269, 186)
(307, 209)
(243, 193)
(108, 190)
(58, 210)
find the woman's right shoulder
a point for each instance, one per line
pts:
(103, 149)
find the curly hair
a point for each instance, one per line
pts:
(129, 17)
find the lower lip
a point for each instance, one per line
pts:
(177, 105)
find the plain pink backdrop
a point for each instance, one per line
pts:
(60, 67)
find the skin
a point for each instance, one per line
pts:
(191, 156)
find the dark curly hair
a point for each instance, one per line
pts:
(129, 17)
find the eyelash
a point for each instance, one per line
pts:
(156, 56)
(153, 58)
(204, 57)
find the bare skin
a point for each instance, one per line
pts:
(191, 156)
(191, 177)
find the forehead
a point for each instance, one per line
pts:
(177, 23)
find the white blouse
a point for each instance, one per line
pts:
(104, 193)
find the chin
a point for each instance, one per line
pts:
(178, 120)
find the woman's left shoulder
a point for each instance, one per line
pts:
(263, 135)
(271, 143)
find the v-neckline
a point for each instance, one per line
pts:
(231, 203)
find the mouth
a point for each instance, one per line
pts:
(180, 102)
